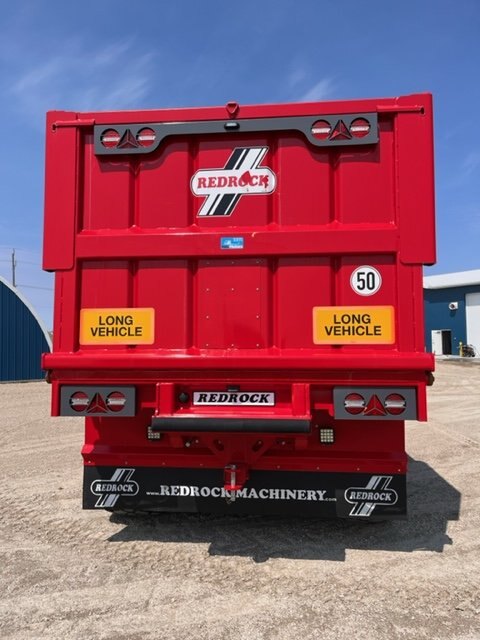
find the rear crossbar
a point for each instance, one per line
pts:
(231, 425)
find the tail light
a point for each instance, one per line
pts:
(375, 403)
(97, 401)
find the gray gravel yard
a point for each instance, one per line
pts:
(67, 573)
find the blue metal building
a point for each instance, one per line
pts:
(23, 337)
(452, 312)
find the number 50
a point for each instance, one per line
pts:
(365, 280)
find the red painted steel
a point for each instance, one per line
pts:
(123, 231)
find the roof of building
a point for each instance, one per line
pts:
(42, 326)
(23, 338)
(447, 280)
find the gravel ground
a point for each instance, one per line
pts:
(67, 573)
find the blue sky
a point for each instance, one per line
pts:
(119, 54)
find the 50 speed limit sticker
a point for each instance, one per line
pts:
(366, 280)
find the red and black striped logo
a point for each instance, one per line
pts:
(120, 484)
(242, 175)
(376, 492)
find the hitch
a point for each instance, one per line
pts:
(234, 477)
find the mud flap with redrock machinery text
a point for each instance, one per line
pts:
(345, 495)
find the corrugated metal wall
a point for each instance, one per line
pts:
(22, 340)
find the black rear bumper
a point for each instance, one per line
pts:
(231, 425)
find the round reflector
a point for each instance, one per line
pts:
(395, 404)
(110, 138)
(116, 401)
(360, 128)
(354, 403)
(146, 137)
(79, 401)
(321, 130)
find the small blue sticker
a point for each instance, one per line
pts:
(232, 243)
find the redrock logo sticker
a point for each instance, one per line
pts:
(120, 484)
(365, 499)
(242, 175)
(213, 398)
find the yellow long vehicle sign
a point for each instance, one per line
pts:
(354, 325)
(117, 326)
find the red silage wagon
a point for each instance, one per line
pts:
(239, 304)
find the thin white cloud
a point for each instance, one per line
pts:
(470, 215)
(111, 53)
(36, 77)
(296, 77)
(466, 171)
(320, 91)
(115, 76)
(471, 162)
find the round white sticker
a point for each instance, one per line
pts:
(366, 280)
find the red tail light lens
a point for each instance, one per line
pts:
(395, 404)
(116, 401)
(360, 128)
(146, 137)
(354, 403)
(79, 401)
(110, 138)
(321, 130)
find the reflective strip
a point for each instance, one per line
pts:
(395, 404)
(354, 404)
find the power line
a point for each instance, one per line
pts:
(35, 264)
(31, 286)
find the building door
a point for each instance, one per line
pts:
(437, 347)
(442, 342)
(472, 304)
(447, 343)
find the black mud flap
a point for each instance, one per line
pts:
(359, 496)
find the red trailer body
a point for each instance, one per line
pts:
(239, 304)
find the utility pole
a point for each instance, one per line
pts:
(14, 264)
